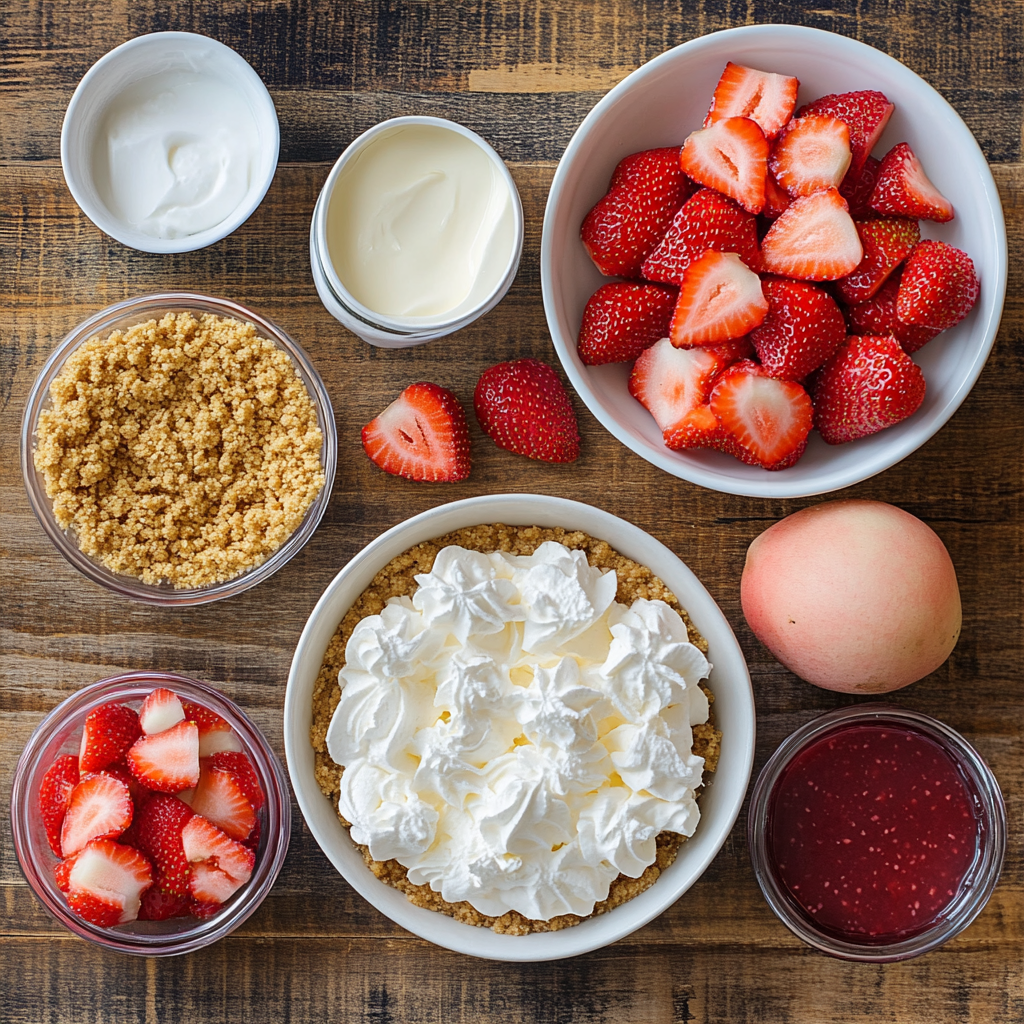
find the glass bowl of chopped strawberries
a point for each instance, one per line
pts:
(773, 261)
(149, 814)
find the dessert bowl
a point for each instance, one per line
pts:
(659, 105)
(733, 712)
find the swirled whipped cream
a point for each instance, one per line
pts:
(514, 736)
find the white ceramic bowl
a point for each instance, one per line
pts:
(659, 105)
(734, 715)
(141, 58)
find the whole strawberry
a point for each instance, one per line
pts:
(523, 407)
(939, 286)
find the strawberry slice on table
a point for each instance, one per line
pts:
(887, 242)
(719, 299)
(523, 407)
(869, 384)
(731, 157)
(804, 326)
(421, 435)
(109, 731)
(707, 220)
(857, 187)
(814, 240)
(158, 836)
(645, 191)
(245, 775)
(866, 114)
(167, 761)
(221, 799)
(160, 710)
(620, 320)
(902, 189)
(214, 732)
(811, 153)
(106, 883)
(939, 286)
(220, 866)
(878, 316)
(55, 790)
(100, 807)
(763, 96)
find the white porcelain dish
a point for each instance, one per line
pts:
(734, 715)
(659, 105)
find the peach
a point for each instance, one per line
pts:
(856, 596)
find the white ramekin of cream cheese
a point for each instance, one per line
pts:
(170, 142)
(417, 232)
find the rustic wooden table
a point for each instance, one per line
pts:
(523, 74)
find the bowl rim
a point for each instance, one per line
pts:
(775, 485)
(518, 509)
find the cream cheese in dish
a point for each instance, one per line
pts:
(514, 736)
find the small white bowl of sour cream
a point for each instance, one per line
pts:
(170, 142)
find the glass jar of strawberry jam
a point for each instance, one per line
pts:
(876, 833)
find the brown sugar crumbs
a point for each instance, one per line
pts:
(396, 579)
(180, 450)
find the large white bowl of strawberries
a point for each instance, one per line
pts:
(774, 261)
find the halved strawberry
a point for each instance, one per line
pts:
(814, 240)
(158, 836)
(857, 188)
(707, 220)
(108, 733)
(160, 710)
(939, 286)
(221, 799)
(98, 910)
(902, 189)
(620, 320)
(699, 428)
(731, 157)
(100, 807)
(245, 775)
(158, 905)
(776, 199)
(220, 866)
(719, 299)
(802, 329)
(62, 873)
(106, 883)
(887, 242)
(811, 153)
(866, 114)
(167, 761)
(878, 316)
(421, 435)
(645, 191)
(214, 732)
(764, 97)
(55, 791)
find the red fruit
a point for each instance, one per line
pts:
(214, 732)
(731, 157)
(252, 840)
(108, 877)
(100, 807)
(719, 299)
(621, 320)
(878, 316)
(158, 905)
(522, 406)
(811, 153)
(939, 286)
(887, 242)
(160, 710)
(109, 731)
(203, 910)
(802, 329)
(221, 799)
(421, 435)
(97, 909)
(869, 384)
(762, 96)
(699, 428)
(776, 199)
(54, 796)
(245, 775)
(167, 762)
(903, 189)
(866, 114)
(857, 187)
(707, 220)
(62, 873)
(220, 866)
(645, 191)
(158, 835)
(814, 240)
(767, 420)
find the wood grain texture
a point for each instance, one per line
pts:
(524, 74)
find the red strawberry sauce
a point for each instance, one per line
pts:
(872, 829)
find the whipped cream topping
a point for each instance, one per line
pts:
(514, 736)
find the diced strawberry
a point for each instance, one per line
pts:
(220, 799)
(902, 189)
(878, 316)
(857, 188)
(811, 153)
(869, 384)
(168, 761)
(55, 791)
(939, 286)
(112, 875)
(220, 865)
(887, 242)
(159, 828)
(814, 240)
(645, 191)
(707, 220)
(866, 114)
(100, 807)
(764, 97)
(158, 905)
(719, 299)
(214, 732)
(160, 710)
(245, 775)
(731, 157)
(108, 733)
(802, 329)
(620, 320)
(523, 407)
(776, 200)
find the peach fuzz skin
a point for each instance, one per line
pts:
(855, 596)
